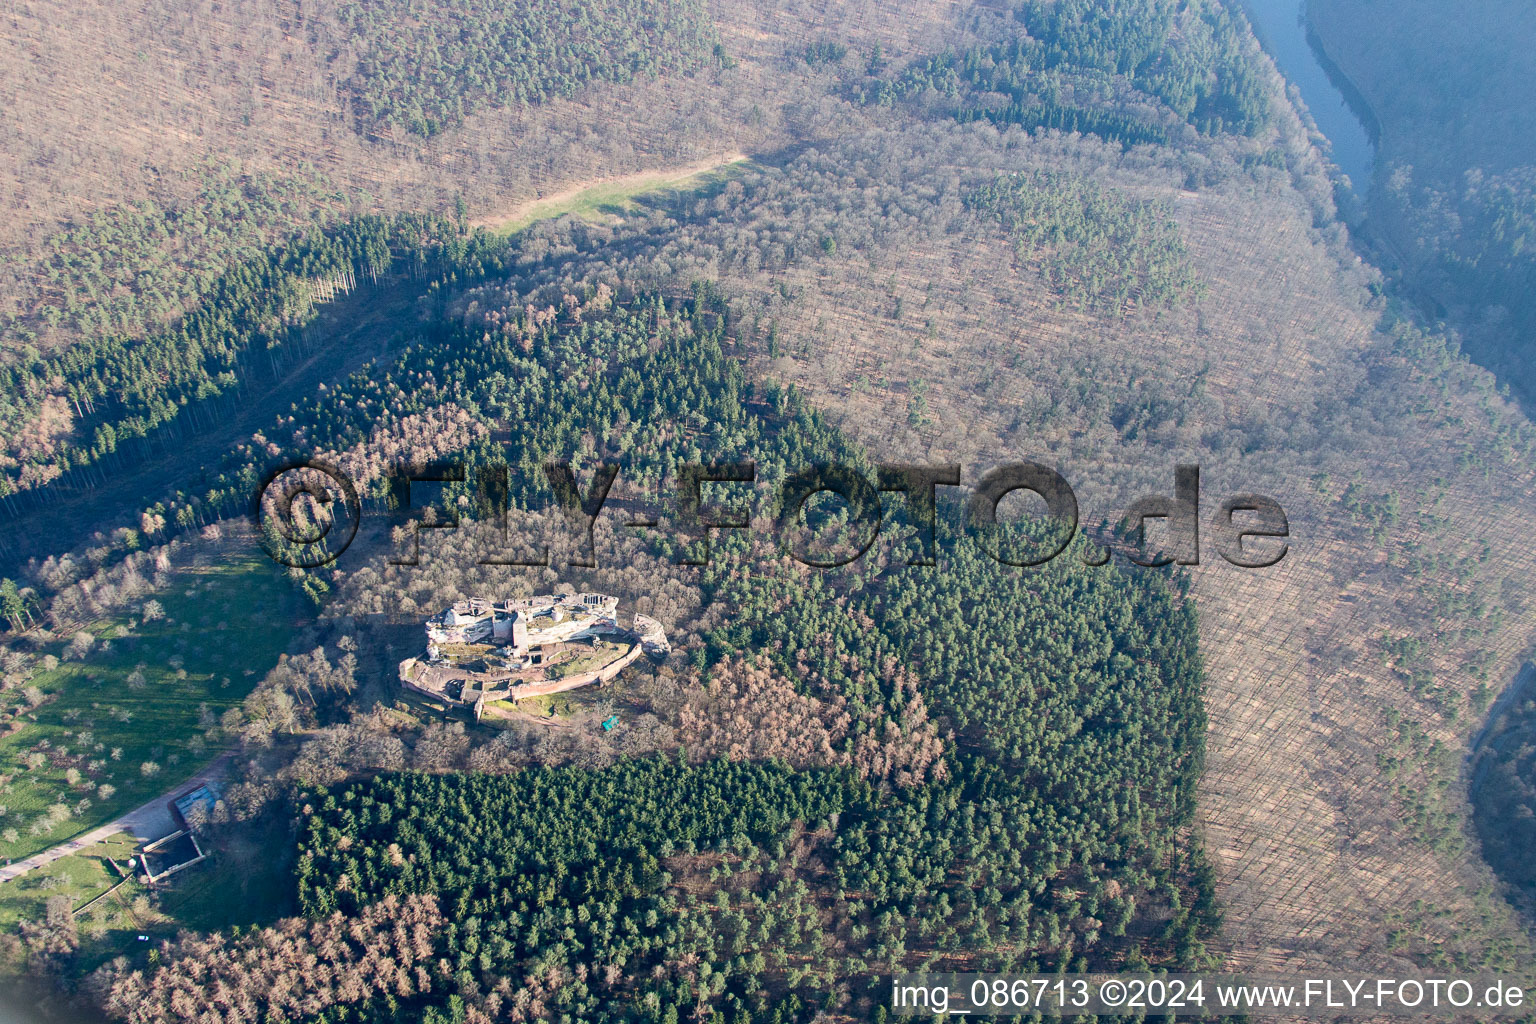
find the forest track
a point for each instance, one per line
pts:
(359, 326)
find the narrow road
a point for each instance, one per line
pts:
(148, 822)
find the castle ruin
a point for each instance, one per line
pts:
(480, 651)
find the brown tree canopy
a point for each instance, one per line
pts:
(293, 969)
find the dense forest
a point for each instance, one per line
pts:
(1096, 248)
(79, 407)
(641, 381)
(423, 67)
(1504, 793)
(1474, 253)
(1453, 196)
(109, 395)
(104, 397)
(1082, 66)
(1004, 774)
(126, 270)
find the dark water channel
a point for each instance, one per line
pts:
(1282, 30)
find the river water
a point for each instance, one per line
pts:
(1280, 27)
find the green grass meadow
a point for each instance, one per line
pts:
(608, 201)
(135, 714)
(110, 912)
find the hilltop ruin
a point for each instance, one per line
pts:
(480, 651)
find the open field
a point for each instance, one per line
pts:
(109, 910)
(606, 200)
(94, 736)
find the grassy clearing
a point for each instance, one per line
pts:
(556, 706)
(571, 706)
(109, 919)
(610, 200)
(246, 882)
(92, 738)
(546, 706)
(605, 653)
(82, 877)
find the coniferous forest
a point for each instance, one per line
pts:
(477, 242)
(1186, 57)
(480, 54)
(1012, 786)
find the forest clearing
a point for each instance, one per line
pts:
(609, 197)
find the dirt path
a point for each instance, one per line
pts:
(622, 185)
(357, 327)
(147, 822)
